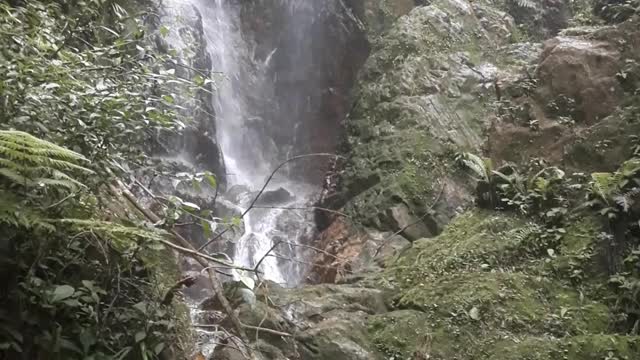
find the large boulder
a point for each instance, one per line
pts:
(582, 72)
(423, 95)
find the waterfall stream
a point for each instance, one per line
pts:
(244, 90)
(279, 92)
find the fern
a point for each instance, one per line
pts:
(603, 185)
(28, 161)
(628, 199)
(13, 212)
(482, 168)
(121, 236)
(528, 4)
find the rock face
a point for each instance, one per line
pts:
(583, 72)
(445, 78)
(578, 99)
(424, 93)
(197, 145)
(313, 50)
(476, 283)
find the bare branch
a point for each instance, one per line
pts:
(270, 331)
(303, 208)
(263, 189)
(255, 269)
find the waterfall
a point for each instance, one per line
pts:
(244, 92)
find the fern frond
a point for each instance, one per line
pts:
(21, 140)
(28, 161)
(114, 230)
(479, 166)
(628, 199)
(13, 212)
(603, 185)
(528, 4)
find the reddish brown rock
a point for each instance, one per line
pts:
(581, 71)
(341, 243)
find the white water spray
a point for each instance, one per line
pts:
(250, 154)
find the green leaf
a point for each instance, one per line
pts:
(141, 306)
(62, 292)
(140, 335)
(158, 348)
(211, 179)
(198, 80)
(191, 206)
(206, 227)
(164, 31)
(168, 98)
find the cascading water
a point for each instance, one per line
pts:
(279, 92)
(244, 91)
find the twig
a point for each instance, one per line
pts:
(277, 256)
(267, 330)
(61, 201)
(262, 190)
(197, 254)
(427, 212)
(216, 284)
(303, 208)
(314, 249)
(255, 269)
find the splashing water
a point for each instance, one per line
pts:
(250, 153)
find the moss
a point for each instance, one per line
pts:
(397, 334)
(584, 347)
(514, 302)
(478, 283)
(477, 239)
(164, 271)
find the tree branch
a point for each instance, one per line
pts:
(263, 189)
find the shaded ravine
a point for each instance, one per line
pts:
(278, 93)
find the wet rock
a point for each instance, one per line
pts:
(580, 76)
(197, 142)
(409, 225)
(274, 197)
(325, 321)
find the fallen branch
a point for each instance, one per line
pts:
(216, 284)
(303, 208)
(194, 253)
(267, 330)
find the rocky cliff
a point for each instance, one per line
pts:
(401, 279)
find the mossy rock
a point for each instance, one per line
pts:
(419, 100)
(399, 333)
(514, 302)
(584, 347)
(477, 239)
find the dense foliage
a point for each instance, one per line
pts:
(546, 195)
(79, 271)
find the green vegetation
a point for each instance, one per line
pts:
(84, 90)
